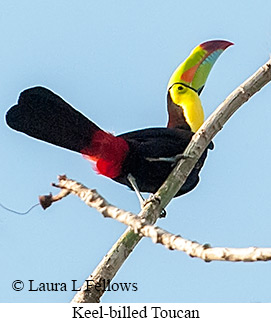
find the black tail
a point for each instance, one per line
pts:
(42, 114)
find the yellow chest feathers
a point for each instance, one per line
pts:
(189, 102)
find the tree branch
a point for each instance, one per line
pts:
(158, 235)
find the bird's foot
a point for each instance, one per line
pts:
(173, 159)
(150, 199)
(156, 199)
(143, 202)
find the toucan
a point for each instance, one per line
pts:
(140, 159)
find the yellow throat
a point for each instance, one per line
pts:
(189, 106)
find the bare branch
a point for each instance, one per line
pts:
(158, 235)
(93, 199)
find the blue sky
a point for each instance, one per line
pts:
(112, 61)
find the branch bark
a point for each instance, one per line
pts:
(158, 235)
(110, 264)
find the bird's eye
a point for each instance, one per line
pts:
(180, 88)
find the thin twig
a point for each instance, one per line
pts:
(17, 212)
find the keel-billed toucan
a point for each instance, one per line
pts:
(44, 115)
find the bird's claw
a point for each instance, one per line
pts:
(173, 159)
(150, 199)
(156, 199)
